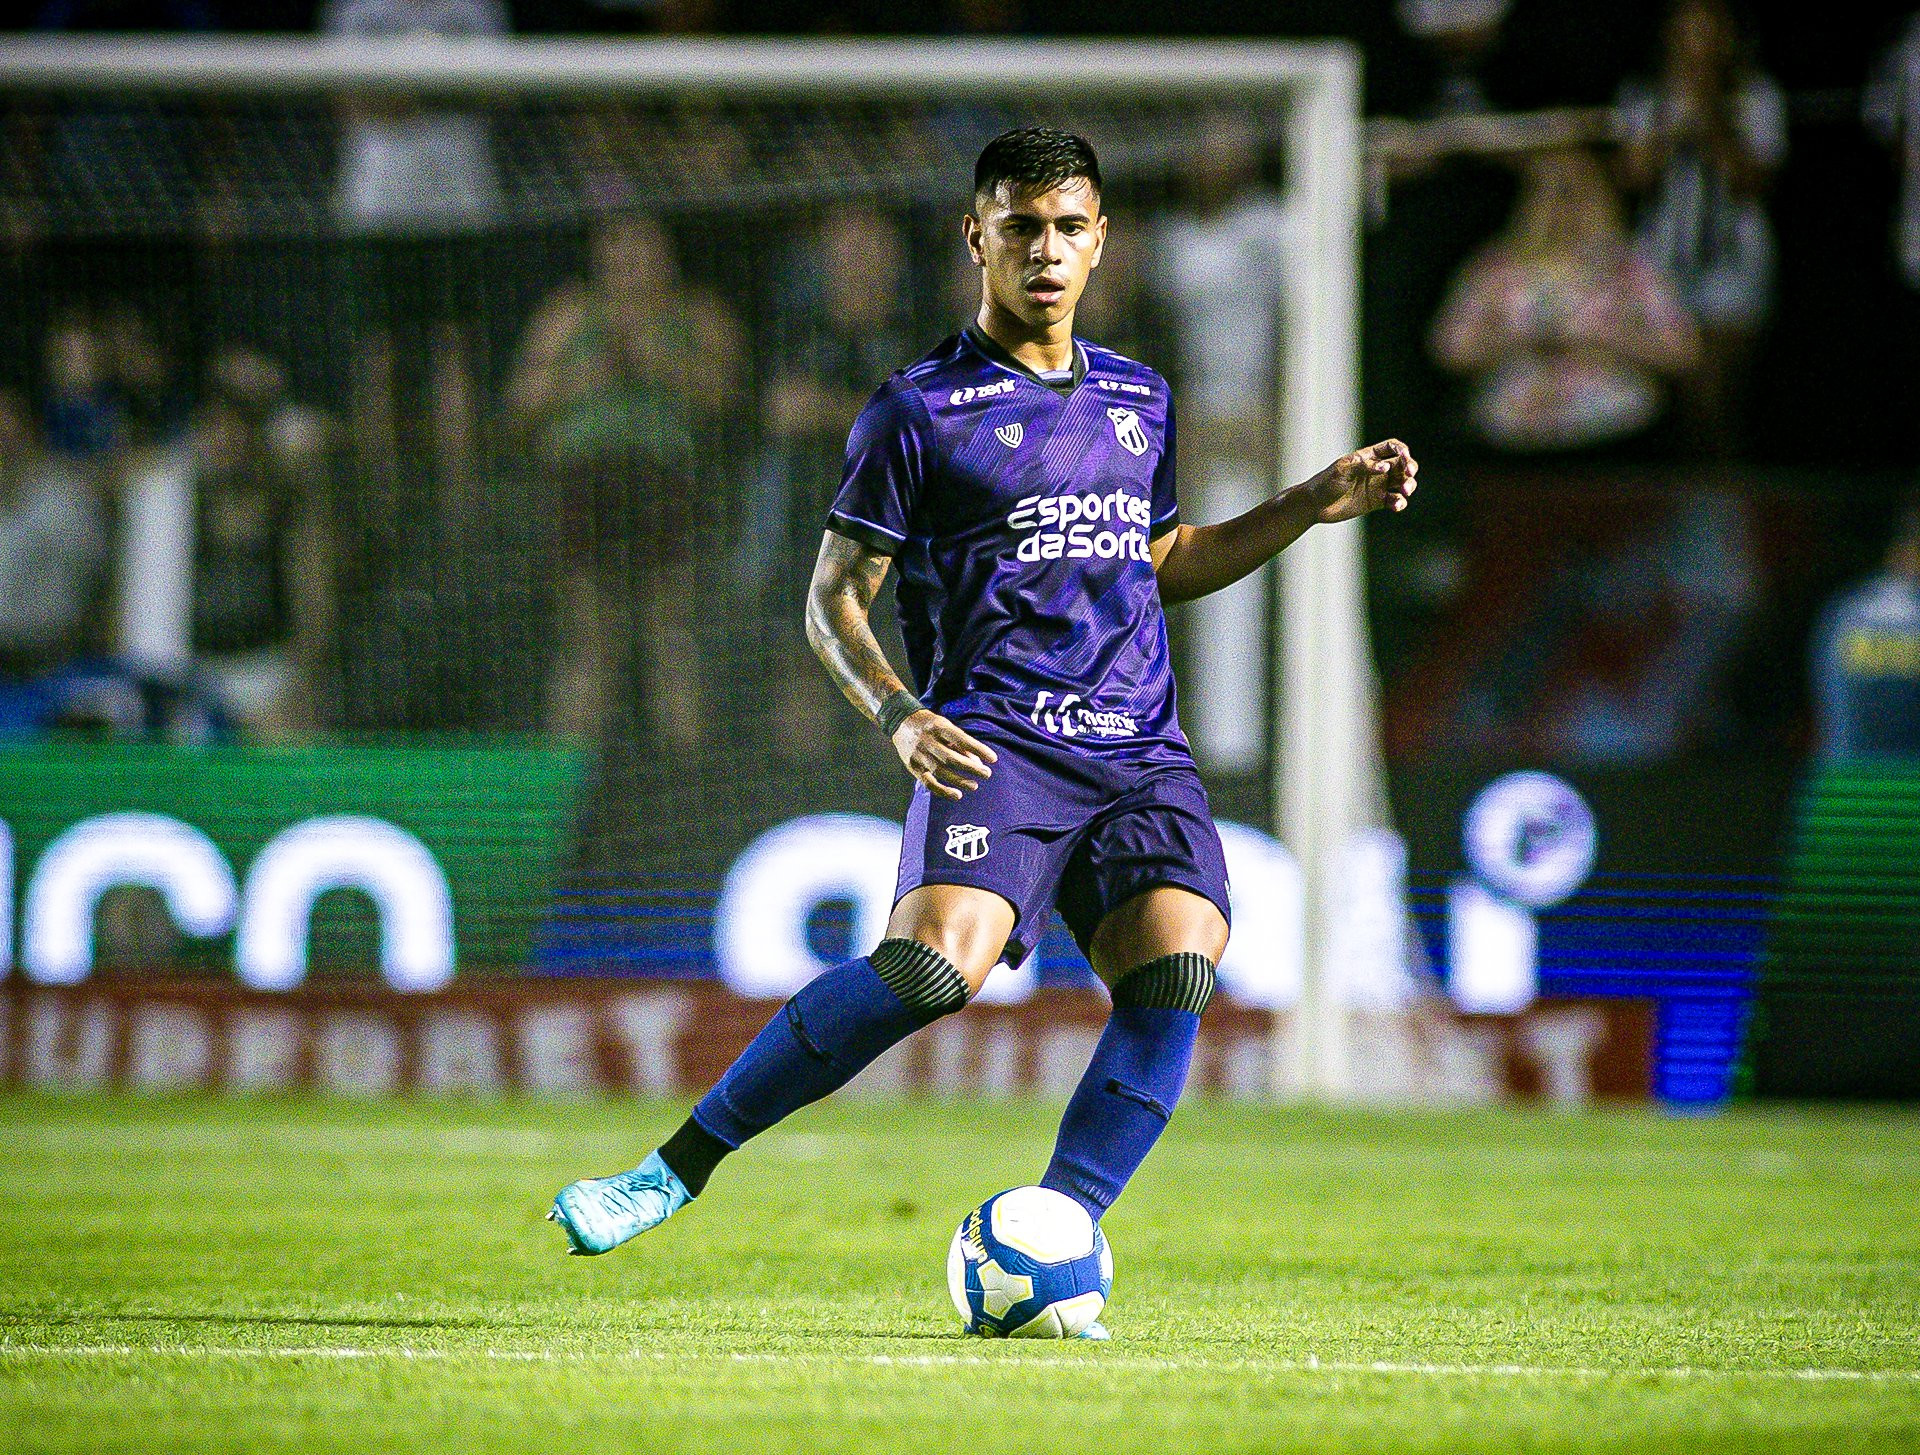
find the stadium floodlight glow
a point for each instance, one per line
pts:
(1262, 967)
(773, 888)
(108, 851)
(1493, 947)
(345, 851)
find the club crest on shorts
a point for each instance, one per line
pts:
(1010, 435)
(1126, 429)
(966, 841)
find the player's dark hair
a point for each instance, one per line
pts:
(1035, 159)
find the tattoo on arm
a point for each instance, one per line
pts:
(846, 578)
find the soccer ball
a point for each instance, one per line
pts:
(1029, 1264)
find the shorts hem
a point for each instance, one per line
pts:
(1171, 880)
(1013, 935)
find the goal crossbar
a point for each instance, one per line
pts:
(493, 66)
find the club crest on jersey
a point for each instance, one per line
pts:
(1010, 435)
(966, 841)
(1126, 429)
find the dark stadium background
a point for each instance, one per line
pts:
(1828, 454)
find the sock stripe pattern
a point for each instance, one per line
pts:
(1173, 982)
(826, 1033)
(923, 978)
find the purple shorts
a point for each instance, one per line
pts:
(1083, 835)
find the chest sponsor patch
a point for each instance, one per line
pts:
(1053, 527)
(1010, 435)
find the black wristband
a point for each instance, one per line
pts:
(898, 707)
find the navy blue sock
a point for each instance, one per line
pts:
(1133, 1082)
(826, 1034)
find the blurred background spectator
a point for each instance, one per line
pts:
(621, 381)
(1702, 140)
(1568, 336)
(1461, 34)
(1866, 656)
(1892, 111)
(406, 168)
(82, 414)
(415, 183)
(111, 384)
(226, 560)
(52, 550)
(1220, 264)
(838, 321)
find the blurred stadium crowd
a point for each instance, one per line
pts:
(385, 415)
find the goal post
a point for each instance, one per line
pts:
(1324, 760)
(1324, 73)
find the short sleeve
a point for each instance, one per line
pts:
(887, 458)
(1166, 505)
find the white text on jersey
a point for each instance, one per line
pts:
(1063, 525)
(981, 391)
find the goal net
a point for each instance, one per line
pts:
(496, 390)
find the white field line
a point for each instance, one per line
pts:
(502, 1145)
(1094, 1359)
(537, 1143)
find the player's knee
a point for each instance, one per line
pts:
(968, 929)
(1182, 981)
(926, 981)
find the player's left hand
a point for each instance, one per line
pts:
(1381, 476)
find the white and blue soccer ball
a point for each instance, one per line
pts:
(1029, 1264)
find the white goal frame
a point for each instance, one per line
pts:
(1327, 762)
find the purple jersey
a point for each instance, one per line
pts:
(1018, 515)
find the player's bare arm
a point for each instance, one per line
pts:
(1195, 561)
(847, 576)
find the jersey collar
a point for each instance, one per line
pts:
(984, 342)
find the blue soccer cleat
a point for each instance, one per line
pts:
(598, 1214)
(1096, 1331)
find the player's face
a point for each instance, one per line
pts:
(1035, 250)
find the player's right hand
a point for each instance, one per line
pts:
(940, 755)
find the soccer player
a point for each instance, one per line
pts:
(1020, 481)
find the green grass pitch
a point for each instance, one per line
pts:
(298, 1275)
